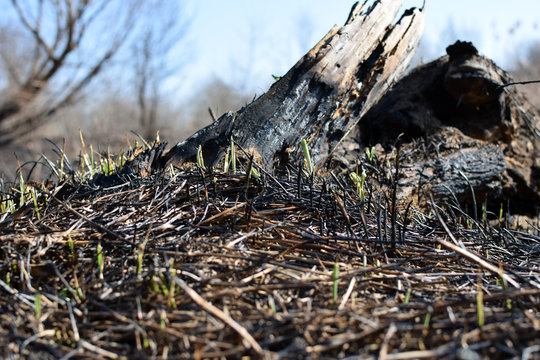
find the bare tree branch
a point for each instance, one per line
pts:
(71, 20)
(32, 29)
(150, 68)
(37, 48)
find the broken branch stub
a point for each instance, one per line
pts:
(323, 96)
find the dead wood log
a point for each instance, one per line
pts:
(476, 133)
(323, 96)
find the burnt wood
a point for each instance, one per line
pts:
(323, 96)
(475, 132)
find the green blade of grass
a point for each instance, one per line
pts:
(335, 283)
(305, 149)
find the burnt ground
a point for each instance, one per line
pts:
(191, 264)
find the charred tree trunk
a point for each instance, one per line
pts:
(323, 96)
(480, 138)
(472, 139)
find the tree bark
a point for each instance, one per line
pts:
(323, 96)
(476, 134)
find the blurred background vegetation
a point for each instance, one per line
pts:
(107, 68)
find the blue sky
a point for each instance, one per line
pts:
(243, 42)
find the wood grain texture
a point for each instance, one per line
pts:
(323, 96)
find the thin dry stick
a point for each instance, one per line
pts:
(31, 339)
(101, 352)
(241, 238)
(212, 115)
(384, 348)
(259, 274)
(86, 219)
(419, 354)
(21, 297)
(199, 300)
(74, 328)
(477, 259)
(223, 213)
(347, 293)
(467, 253)
(518, 83)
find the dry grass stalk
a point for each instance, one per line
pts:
(200, 265)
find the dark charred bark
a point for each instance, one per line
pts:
(323, 96)
(474, 132)
(472, 139)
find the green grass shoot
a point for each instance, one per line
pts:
(226, 163)
(64, 294)
(22, 189)
(7, 205)
(99, 250)
(335, 282)
(37, 306)
(369, 153)
(480, 303)
(504, 286)
(427, 319)
(162, 321)
(407, 296)
(154, 286)
(34, 199)
(140, 256)
(200, 159)
(272, 304)
(307, 155)
(71, 245)
(254, 172)
(163, 285)
(172, 284)
(359, 181)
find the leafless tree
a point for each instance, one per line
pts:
(163, 28)
(58, 61)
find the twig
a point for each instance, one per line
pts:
(223, 213)
(15, 293)
(384, 348)
(518, 83)
(477, 259)
(348, 293)
(199, 300)
(468, 254)
(212, 115)
(101, 352)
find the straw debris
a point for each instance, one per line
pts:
(194, 264)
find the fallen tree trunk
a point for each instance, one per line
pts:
(481, 138)
(470, 138)
(323, 96)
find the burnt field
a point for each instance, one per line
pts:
(351, 211)
(188, 263)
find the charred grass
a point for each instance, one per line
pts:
(185, 263)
